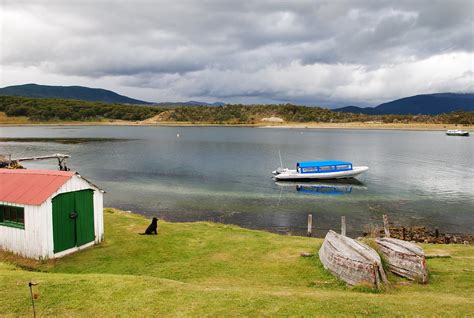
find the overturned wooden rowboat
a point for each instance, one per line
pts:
(404, 258)
(352, 261)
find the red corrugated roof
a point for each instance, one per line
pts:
(30, 187)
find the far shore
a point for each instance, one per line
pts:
(376, 125)
(285, 125)
(372, 125)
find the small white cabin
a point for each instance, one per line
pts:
(48, 214)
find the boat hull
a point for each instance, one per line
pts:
(353, 262)
(457, 132)
(466, 134)
(294, 175)
(404, 258)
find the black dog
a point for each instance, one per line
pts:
(152, 228)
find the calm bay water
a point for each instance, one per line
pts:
(223, 174)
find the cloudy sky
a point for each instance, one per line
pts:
(329, 53)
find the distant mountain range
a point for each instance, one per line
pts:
(429, 104)
(189, 103)
(69, 92)
(86, 94)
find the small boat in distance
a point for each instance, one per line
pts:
(457, 132)
(314, 170)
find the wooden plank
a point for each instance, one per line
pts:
(343, 225)
(386, 226)
(310, 224)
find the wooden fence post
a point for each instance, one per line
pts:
(343, 225)
(310, 224)
(385, 225)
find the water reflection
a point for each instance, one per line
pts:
(326, 187)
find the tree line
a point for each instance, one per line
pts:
(51, 109)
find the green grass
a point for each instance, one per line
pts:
(205, 269)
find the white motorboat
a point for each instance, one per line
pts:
(457, 132)
(318, 170)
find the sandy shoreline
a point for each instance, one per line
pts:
(376, 125)
(309, 125)
(6, 121)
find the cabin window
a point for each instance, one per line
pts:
(12, 216)
(310, 169)
(326, 168)
(343, 167)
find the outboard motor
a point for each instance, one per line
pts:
(278, 171)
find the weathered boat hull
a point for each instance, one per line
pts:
(404, 258)
(353, 262)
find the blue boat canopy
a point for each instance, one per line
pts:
(323, 166)
(309, 164)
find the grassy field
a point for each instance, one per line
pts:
(205, 269)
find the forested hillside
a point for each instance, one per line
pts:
(45, 109)
(69, 92)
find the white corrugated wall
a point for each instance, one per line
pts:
(30, 241)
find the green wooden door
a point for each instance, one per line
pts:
(64, 227)
(85, 216)
(73, 219)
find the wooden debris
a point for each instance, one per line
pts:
(343, 225)
(306, 254)
(9, 163)
(310, 224)
(352, 261)
(438, 256)
(386, 227)
(422, 234)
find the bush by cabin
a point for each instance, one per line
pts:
(48, 214)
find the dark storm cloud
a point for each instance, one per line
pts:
(192, 47)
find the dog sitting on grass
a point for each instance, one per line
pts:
(152, 228)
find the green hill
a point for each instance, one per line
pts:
(57, 110)
(69, 92)
(428, 104)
